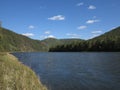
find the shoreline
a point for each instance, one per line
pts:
(16, 76)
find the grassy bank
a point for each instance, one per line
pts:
(16, 76)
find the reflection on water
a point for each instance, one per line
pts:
(76, 71)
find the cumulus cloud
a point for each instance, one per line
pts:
(73, 35)
(92, 21)
(112, 28)
(96, 32)
(82, 27)
(94, 35)
(80, 4)
(57, 18)
(28, 34)
(91, 7)
(50, 36)
(47, 32)
(47, 36)
(31, 27)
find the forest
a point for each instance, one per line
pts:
(13, 42)
(109, 41)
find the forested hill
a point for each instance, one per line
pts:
(112, 34)
(52, 42)
(110, 41)
(11, 42)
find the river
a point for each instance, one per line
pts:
(75, 70)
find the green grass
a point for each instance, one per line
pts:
(16, 76)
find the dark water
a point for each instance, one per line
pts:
(76, 71)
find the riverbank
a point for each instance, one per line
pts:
(16, 76)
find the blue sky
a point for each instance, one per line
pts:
(40, 19)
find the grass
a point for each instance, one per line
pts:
(16, 76)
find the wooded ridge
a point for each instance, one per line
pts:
(13, 42)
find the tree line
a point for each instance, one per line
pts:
(109, 41)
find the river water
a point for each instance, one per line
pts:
(75, 70)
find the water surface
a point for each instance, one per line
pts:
(76, 71)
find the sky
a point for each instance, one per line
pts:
(40, 19)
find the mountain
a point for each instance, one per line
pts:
(67, 45)
(51, 42)
(109, 41)
(70, 41)
(12, 42)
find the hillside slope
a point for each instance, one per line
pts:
(10, 41)
(52, 42)
(109, 41)
(16, 76)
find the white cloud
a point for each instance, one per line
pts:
(50, 36)
(73, 35)
(94, 35)
(82, 27)
(112, 28)
(47, 32)
(31, 27)
(91, 7)
(58, 18)
(96, 32)
(28, 34)
(47, 36)
(80, 4)
(92, 21)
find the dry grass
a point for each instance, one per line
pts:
(16, 76)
